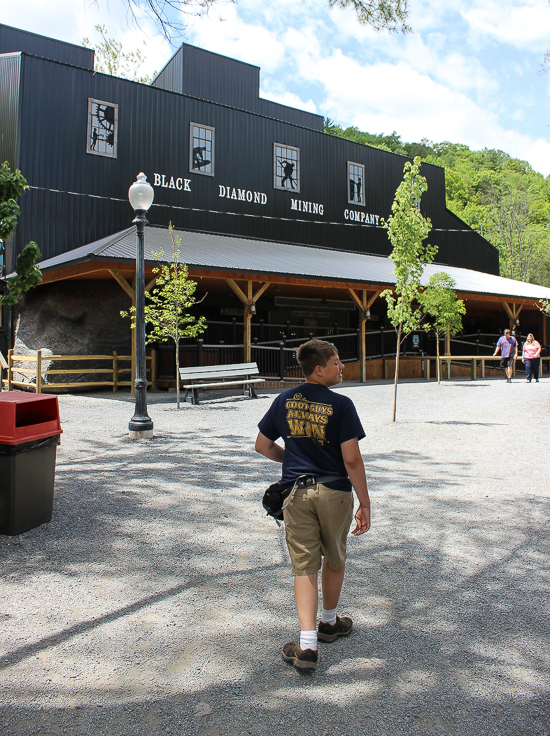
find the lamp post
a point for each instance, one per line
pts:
(141, 196)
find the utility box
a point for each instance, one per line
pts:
(29, 433)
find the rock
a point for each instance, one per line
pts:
(202, 709)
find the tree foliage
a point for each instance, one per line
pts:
(407, 230)
(12, 186)
(167, 303)
(111, 59)
(442, 309)
(501, 197)
(28, 275)
(169, 15)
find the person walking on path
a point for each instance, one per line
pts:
(508, 346)
(531, 357)
(321, 461)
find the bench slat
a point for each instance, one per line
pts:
(223, 383)
(218, 368)
(217, 376)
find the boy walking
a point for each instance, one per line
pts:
(321, 461)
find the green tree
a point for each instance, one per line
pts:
(167, 15)
(544, 306)
(407, 230)
(111, 59)
(442, 309)
(12, 186)
(28, 275)
(168, 302)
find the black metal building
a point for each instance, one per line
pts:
(281, 220)
(220, 158)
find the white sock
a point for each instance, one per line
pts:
(329, 617)
(308, 640)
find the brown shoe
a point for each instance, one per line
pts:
(303, 659)
(328, 632)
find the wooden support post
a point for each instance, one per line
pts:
(38, 387)
(115, 371)
(247, 337)
(362, 305)
(248, 300)
(10, 368)
(448, 351)
(427, 367)
(483, 368)
(473, 369)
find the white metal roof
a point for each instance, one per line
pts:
(226, 252)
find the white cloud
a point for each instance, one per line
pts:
(234, 37)
(290, 99)
(522, 25)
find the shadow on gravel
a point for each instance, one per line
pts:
(449, 596)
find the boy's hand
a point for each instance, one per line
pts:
(362, 517)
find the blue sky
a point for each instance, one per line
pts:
(469, 73)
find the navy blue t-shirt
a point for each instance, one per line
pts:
(313, 421)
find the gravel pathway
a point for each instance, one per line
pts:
(159, 597)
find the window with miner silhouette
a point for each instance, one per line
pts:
(201, 147)
(102, 128)
(356, 188)
(286, 167)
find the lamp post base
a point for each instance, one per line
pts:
(142, 434)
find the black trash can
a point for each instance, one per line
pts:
(29, 433)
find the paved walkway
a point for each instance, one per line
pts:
(158, 598)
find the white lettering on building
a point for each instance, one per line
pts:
(363, 218)
(313, 208)
(179, 183)
(244, 195)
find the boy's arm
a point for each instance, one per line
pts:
(356, 471)
(269, 448)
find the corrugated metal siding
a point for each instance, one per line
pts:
(209, 76)
(10, 68)
(14, 39)
(153, 137)
(171, 77)
(10, 76)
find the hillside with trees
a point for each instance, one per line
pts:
(501, 197)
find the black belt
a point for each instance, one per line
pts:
(305, 481)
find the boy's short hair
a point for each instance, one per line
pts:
(313, 353)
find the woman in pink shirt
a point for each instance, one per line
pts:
(531, 357)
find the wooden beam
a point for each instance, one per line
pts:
(355, 298)
(373, 298)
(238, 291)
(508, 310)
(125, 285)
(151, 284)
(260, 291)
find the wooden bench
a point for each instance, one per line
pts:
(199, 378)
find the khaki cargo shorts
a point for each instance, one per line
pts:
(317, 522)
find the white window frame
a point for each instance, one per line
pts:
(350, 200)
(213, 142)
(297, 171)
(91, 102)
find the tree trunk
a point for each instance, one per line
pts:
(177, 373)
(438, 362)
(398, 350)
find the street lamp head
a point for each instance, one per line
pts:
(141, 194)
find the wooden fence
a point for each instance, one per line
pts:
(37, 372)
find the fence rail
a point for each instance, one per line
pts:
(39, 372)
